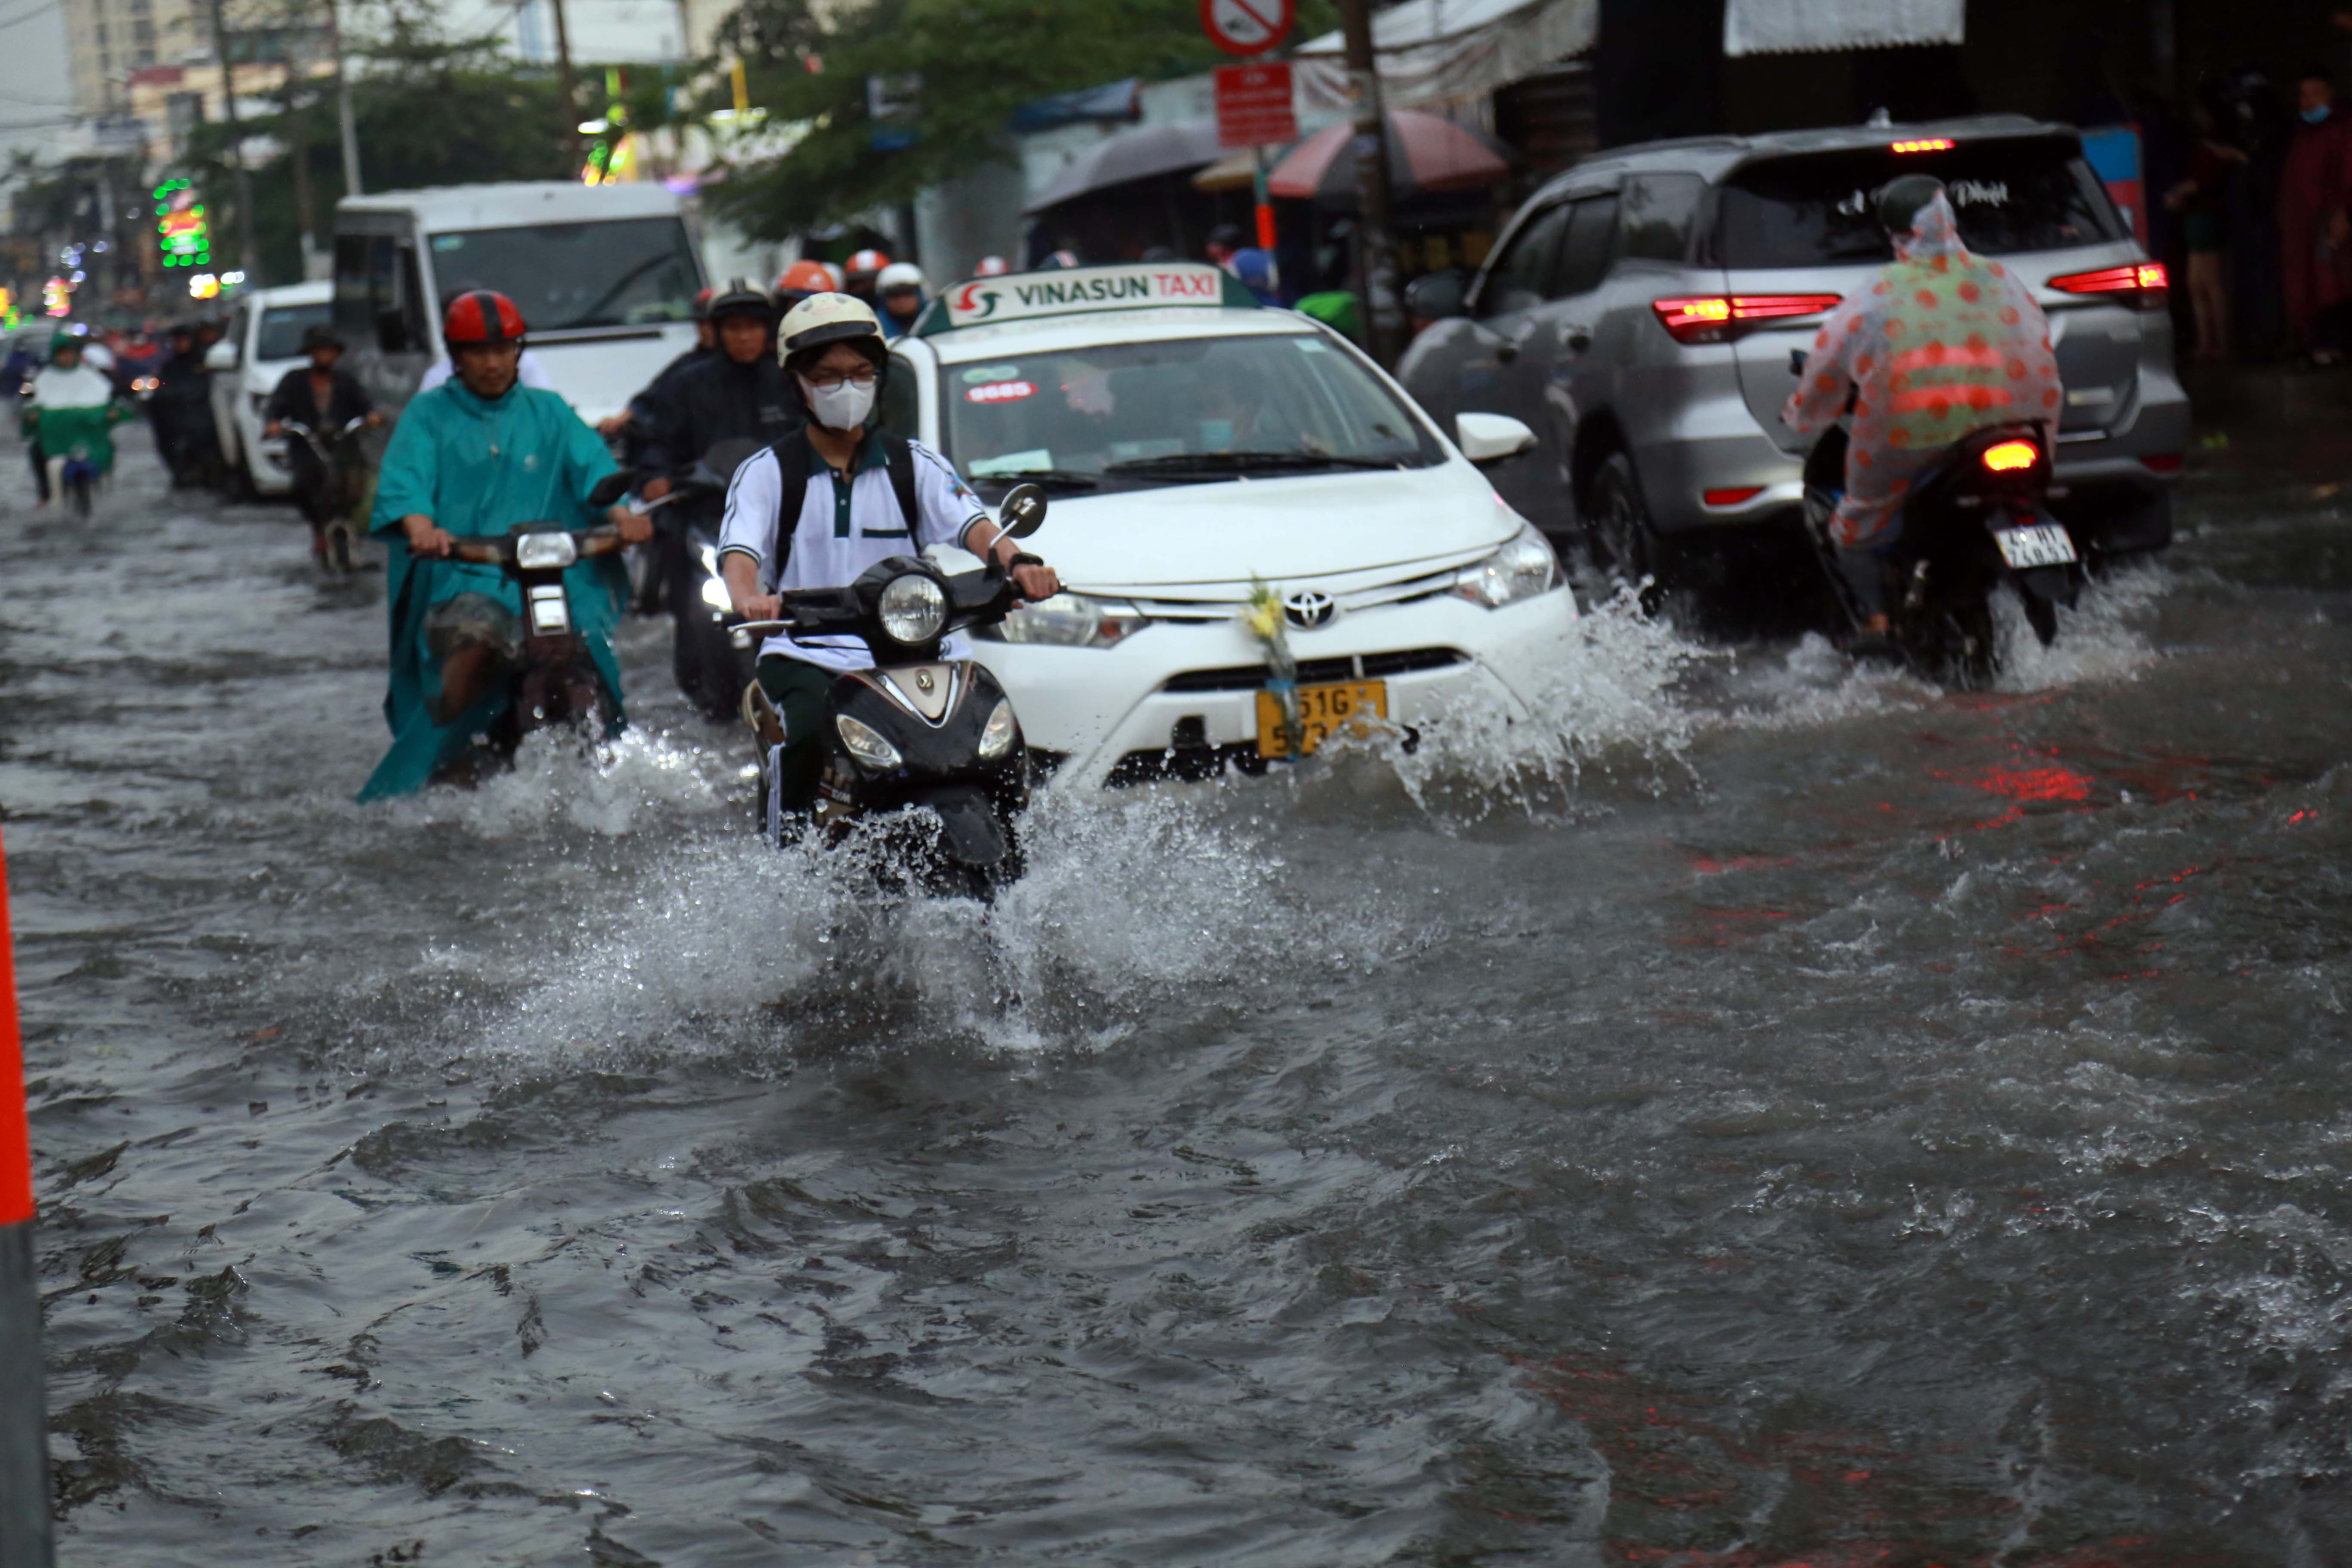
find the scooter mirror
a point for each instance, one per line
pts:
(1023, 511)
(726, 457)
(609, 489)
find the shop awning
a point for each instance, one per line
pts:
(1137, 154)
(1446, 51)
(1791, 26)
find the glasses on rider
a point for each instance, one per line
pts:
(832, 380)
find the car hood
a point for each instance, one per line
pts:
(1341, 531)
(598, 376)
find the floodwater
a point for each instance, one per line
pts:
(1799, 1117)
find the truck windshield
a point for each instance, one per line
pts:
(611, 273)
(282, 326)
(2009, 196)
(1176, 411)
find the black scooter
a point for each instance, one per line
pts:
(343, 477)
(1973, 521)
(933, 740)
(557, 683)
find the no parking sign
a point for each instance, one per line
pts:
(1247, 27)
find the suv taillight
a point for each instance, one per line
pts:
(2010, 456)
(1719, 318)
(2141, 283)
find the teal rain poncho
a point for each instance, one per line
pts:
(478, 468)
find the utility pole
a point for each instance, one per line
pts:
(249, 258)
(344, 102)
(570, 86)
(1376, 275)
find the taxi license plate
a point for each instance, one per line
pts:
(1323, 712)
(2043, 545)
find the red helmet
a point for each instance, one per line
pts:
(867, 261)
(991, 267)
(481, 316)
(702, 305)
(808, 278)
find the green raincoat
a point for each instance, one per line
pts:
(74, 413)
(478, 468)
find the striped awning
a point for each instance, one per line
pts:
(1791, 26)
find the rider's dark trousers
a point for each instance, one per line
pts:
(798, 690)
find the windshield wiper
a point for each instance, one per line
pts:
(1068, 479)
(1245, 463)
(587, 317)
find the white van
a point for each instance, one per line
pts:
(263, 343)
(606, 276)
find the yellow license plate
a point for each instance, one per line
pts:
(1323, 712)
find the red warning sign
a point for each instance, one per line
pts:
(1253, 106)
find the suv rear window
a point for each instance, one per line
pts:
(2009, 196)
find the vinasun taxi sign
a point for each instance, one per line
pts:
(1077, 290)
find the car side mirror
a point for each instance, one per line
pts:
(222, 355)
(391, 332)
(610, 489)
(1491, 438)
(1023, 511)
(1438, 296)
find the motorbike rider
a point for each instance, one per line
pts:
(861, 275)
(471, 459)
(864, 495)
(180, 410)
(900, 285)
(741, 392)
(72, 411)
(1944, 343)
(326, 399)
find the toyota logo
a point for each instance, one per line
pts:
(1310, 609)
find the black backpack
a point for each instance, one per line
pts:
(792, 455)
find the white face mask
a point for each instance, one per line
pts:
(842, 407)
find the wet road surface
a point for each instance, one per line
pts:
(1805, 1118)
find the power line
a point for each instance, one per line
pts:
(28, 15)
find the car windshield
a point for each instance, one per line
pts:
(1175, 412)
(611, 273)
(2009, 196)
(282, 327)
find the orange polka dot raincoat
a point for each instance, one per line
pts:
(1944, 342)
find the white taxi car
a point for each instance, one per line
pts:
(1194, 447)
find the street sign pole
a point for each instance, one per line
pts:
(26, 1540)
(1375, 256)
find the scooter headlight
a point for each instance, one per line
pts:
(913, 609)
(1520, 570)
(865, 746)
(1001, 731)
(545, 552)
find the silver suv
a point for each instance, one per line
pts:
(1644, 313)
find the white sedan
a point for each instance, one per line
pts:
(1195, 446)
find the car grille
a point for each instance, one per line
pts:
(1362, 666)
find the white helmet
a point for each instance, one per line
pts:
(899, 274)
(822, 318)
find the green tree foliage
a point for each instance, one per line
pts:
(965, 66)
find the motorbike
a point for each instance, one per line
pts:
(1973, 523)
(928, 747)
(342, 478)
(556, 682)
(711, 667)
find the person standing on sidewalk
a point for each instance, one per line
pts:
(2314, 215)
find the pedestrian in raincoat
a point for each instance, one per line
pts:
(72, 415)
(2315, 218)
(1944, 342)
(472, 458)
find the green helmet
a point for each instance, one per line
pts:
(64, 340)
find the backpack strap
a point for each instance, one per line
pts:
(791, 455)
(898, 455)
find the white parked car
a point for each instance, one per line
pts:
(263, 343)
(1195, 445)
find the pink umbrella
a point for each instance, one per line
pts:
(1425, 154)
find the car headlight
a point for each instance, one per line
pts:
(865, 746)
(913, 609)
(1070, 620)
(545, 552)
(997, 739)
(1520, 570)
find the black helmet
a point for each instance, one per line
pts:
(742, 299)
(319, 336)
(1899, 200)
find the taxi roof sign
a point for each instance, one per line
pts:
(1077, 290)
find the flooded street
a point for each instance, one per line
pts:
(1809, 1119)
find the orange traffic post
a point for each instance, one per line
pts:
(25, 1535)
